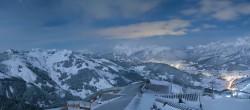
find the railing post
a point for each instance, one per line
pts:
(200, 103)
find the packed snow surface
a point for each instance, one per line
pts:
(146, 100)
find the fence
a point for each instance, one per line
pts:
(78, 105)
(188, 97)
(100, 92)
(106, 97)
(158, 88)
(175, 105)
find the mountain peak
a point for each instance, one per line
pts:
(242, 41)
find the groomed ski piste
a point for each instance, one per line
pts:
(158, 95)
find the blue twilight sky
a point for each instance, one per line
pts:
(102, 24)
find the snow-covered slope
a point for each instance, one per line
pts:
(53, 76)
(215, 61)
(50, 77)
(62, 73)
(156, 95)
(229, 56)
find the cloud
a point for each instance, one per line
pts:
(196, 30)
(226, 14)
(209, 26)
(247, 22)
(189, 11)
(106, 9)
(173, 27)
(221, 10)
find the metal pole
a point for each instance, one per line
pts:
(213, 90)
(200, 102)
(171, 84)
(90, 105)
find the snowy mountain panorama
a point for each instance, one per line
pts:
(42, 79)
(124, 54)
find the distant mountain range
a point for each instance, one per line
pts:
(48, 78)
(229, 56)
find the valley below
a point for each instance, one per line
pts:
(49, 78)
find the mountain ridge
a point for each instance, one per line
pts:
(48, 78)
